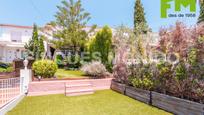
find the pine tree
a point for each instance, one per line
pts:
(140, 23)
(201, 17)
(72, 18)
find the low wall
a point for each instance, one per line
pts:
(58, 87)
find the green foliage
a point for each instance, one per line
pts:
(59, 60)
(142, 76)
(72, 18)
(73, 62)
(181, 71)
(164, 76)
(45, 68)
(201, 16)
(35, 46)
(9, 69)
(140, 49)
(102, 44)
(41, 47)
(192, 56)
(140, 23)
(145, 83)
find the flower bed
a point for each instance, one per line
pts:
(169, 103)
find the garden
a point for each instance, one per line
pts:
(168, 75)
(178, 73)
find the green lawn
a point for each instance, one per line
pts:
(105, 102)
(62, 73)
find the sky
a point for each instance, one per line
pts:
(103, 12)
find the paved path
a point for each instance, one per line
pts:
(58, 87)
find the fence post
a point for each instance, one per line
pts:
(26, 77)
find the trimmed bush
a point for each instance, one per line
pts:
(6, 67)
(45, 68)
(9, 69)
(94, 69)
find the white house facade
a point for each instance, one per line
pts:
(12, 41)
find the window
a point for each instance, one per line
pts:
(16, 36)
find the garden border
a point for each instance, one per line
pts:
(168, 103)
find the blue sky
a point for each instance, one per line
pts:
(103, 12)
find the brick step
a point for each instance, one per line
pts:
(79, 92)
(77, 85)
(78, 82)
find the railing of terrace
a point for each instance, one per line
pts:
(9, 90)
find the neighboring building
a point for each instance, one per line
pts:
(12, 41)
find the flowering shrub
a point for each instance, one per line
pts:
(144, 83)
(94, 69)
(163, 76)
(120, 72)
(142, 76)
(45, 68)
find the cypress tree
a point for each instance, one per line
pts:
(35, 42)
(140, 23)
(201, 17)
(35, 46)
(41, 47)
(102, 44)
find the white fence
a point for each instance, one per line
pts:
(9, 90)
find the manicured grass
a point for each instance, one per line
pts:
(62, 73)
(105, 102)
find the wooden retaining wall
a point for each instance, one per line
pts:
(119, 87)
(176, 105)
(138, 94)
(171, 104)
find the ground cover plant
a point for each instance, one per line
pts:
(105, 102)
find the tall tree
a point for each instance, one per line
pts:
(71, 19)
(140, 23)
(201, 16)
(35, 46)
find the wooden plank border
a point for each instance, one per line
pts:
(176, 105)
(138, 94)
(119, 87)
